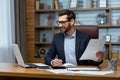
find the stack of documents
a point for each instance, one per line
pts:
(59, 71)
(93, 47)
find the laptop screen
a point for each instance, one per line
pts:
(18, 55)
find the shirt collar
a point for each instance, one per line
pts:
(72, 36)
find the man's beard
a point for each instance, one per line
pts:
(63, 30)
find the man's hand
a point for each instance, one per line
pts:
(57, 62)
(100, 55)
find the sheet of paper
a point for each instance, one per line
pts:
(94, 72)
(83, 69)
(59, 71)
(93, 47)
(67, 65)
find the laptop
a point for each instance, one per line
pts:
(21, 62)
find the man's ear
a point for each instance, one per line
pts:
(72, 21)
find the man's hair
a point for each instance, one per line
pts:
(69, 13)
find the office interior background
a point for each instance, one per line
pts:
(21, 23)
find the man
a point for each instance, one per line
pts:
(69, 45)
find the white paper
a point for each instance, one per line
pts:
(67, 65)
(94, 72)
(93, 47)
(59, 71)
(83, 69)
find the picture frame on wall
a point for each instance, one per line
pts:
(103, 3)
(108, 38)
(73, 4)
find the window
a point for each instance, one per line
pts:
(6, 30)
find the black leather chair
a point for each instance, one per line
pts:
(91, 30)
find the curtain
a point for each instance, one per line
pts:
(20, 29)
(7, 26)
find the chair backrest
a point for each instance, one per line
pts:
(91, 30)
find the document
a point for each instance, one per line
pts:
(83, 69)
(93, 47)
(65, 71)
(67, 65)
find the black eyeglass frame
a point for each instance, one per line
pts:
(62, 22)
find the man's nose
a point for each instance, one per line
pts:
(60, 25)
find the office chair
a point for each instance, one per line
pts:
(91, 30)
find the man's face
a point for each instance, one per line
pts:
(64, 24)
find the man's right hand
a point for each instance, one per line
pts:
(57, 62)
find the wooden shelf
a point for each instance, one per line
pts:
(115, 43)
(115, 8)
(77, 9)
(112, 43)
(109, 26)
(46, 27)
(87, 9)
(80, 9)
(44, 43)
(38, 27)
(47, 10)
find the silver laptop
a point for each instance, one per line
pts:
(20, 60)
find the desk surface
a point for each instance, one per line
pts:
(13, 70)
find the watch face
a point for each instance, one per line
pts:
(101, 18)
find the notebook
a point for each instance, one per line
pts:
(21, 62)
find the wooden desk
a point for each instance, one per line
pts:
(13, 71)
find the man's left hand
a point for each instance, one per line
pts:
(100, 55)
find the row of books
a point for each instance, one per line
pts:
(39, 5)
(56, 4)
(61, 4)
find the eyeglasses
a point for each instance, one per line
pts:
(61, 22)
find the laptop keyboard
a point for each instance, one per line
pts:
(31, 65)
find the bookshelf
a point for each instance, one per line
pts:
(41, 19)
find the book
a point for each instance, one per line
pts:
(37, 3)
(115, 54)
(56, 4)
